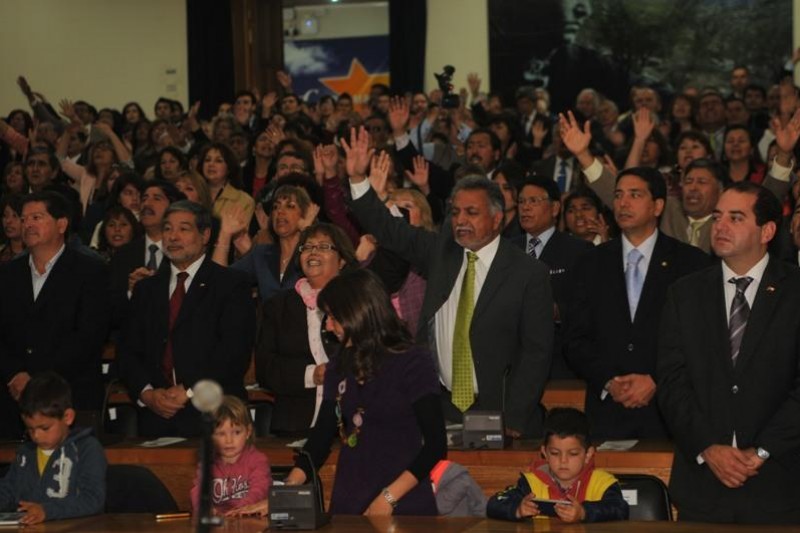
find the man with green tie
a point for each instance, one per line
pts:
(488, 307)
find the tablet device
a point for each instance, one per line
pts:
(548, 507)
(10, 519)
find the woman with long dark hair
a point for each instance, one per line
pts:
(381, 398)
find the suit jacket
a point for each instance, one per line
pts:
(560, 254)
(63, 330)
(546, 168)
(282, 355)
(673, 220)
(705, 399)
(511, 333)
(602, 342)
(212, 338)
(123, 262)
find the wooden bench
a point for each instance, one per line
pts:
(176, 465)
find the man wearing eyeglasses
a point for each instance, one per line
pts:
(539, 205)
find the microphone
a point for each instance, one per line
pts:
(207, 396)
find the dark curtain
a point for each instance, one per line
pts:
(210, 43)
(407, 32)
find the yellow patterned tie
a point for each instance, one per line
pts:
(463, 392)
(695, 226)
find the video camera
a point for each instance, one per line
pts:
(449, 100)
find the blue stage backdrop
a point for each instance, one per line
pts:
(334, 66)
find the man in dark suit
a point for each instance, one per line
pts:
(560, 167)
(501, 337)
(729, 372)
(615, 309)
(190, 321)
(539, 204)
(141, 257)
(53, 312)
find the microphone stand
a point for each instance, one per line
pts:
(206, 519)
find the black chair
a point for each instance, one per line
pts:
(652, 498)
(135, 489)
(120, 420)
(261, 413)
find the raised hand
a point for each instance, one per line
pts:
(310, 216)
(576, 140)
(367, 245)
(643, 123)
(233, 220)
(398, 115)
(379, 173)
(191, 123)
(68, 110)
(538, 133)
(285, 80)
(421, 175)
(358, 153)
(268, 101)
(474, 82)
(786, 136)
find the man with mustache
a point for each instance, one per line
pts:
(142, 257)
(687, 220)
(615, 308)
(192, 320)
(53, 313)
(729, 372)
(487, 313)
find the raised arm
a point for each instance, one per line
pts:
(643, 125)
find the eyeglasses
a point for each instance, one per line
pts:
(321, 247)
(534, 200)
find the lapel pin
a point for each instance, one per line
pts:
(203, 285)
(664, 263)
(770, 288)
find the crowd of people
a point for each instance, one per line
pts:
(387, 269)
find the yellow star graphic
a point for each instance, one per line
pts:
(357, 82)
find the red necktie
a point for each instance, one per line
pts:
(175, 301)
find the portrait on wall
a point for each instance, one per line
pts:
(567, 45)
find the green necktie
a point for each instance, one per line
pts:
(463, 393)
(695, 226)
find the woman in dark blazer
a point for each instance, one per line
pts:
(291, 352)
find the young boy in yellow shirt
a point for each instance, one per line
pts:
(566, 474)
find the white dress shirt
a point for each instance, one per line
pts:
(445, 317)
(37, 280)
(314, 321)
(757, 272)
(544, 238)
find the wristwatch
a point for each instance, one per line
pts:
(762, 453)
